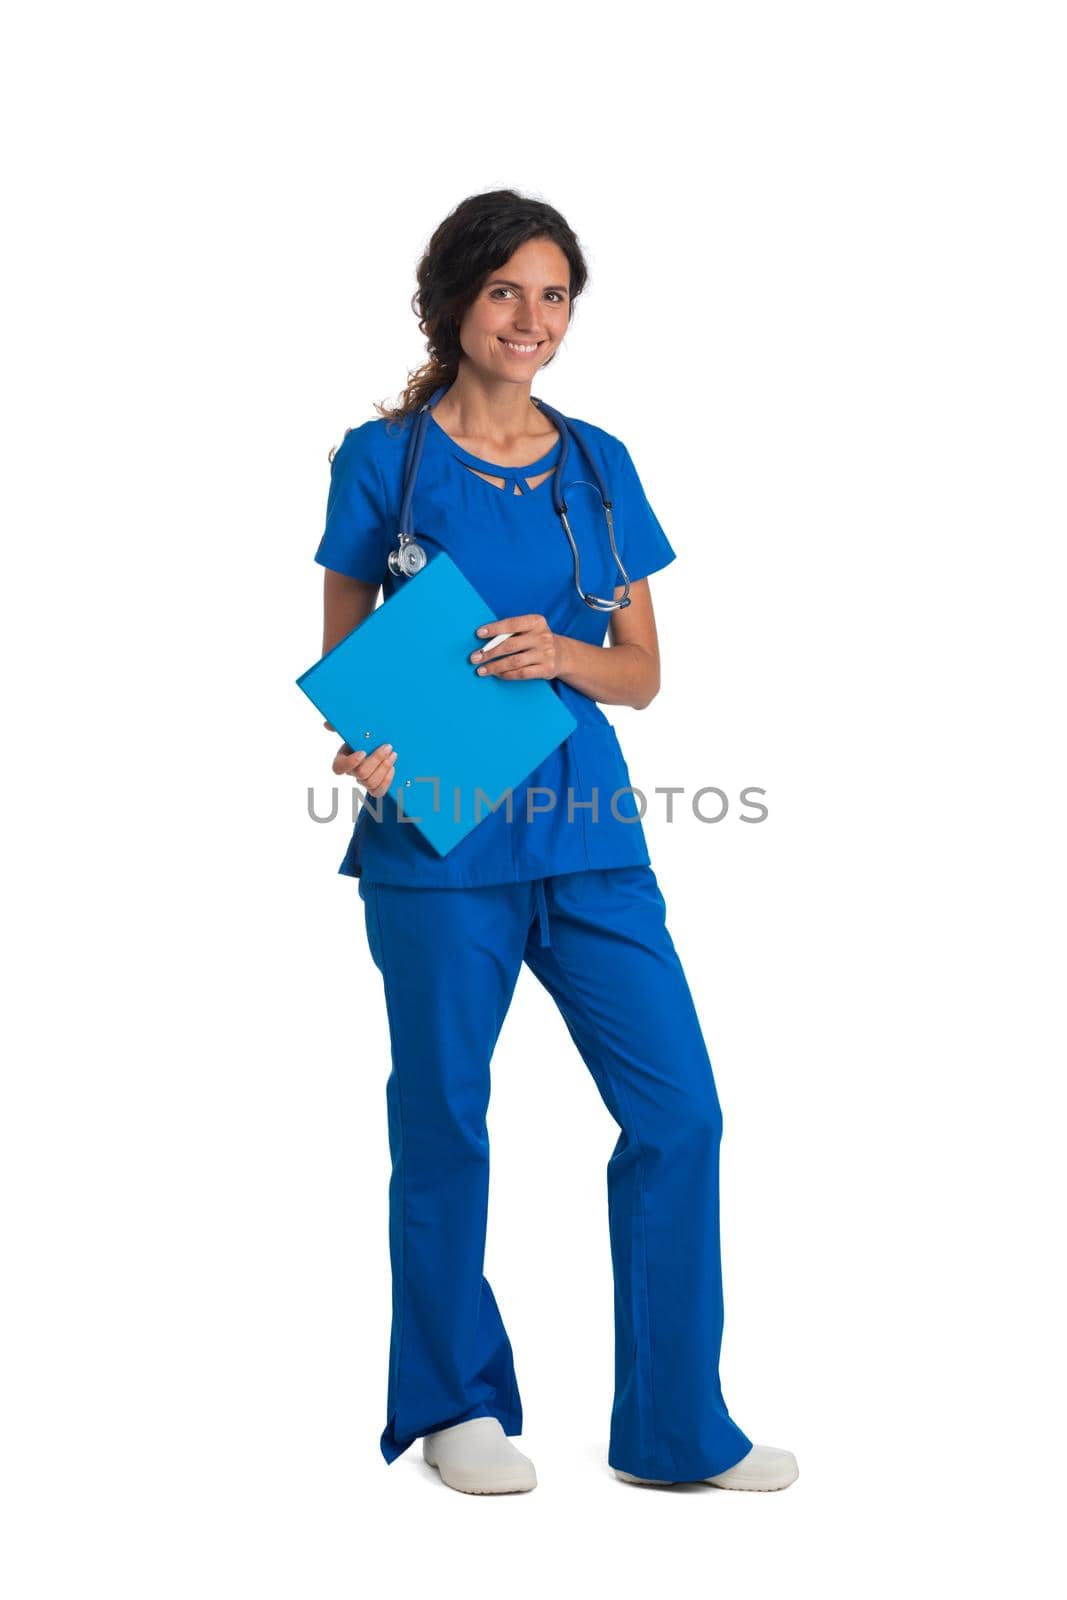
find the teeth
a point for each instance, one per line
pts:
(524, 348)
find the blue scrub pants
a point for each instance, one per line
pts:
(598, 941)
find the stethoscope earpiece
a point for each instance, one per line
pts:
(410, 558)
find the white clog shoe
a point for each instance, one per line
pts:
(477, 1457)
(765, 1467)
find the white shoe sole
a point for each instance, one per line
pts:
(752, 1484)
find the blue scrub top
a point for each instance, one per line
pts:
(510, 544)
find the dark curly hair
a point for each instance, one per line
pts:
(475, 239)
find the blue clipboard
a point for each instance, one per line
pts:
(405, 676)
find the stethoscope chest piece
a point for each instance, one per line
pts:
(407, 559)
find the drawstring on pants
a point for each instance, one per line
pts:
(542, 913)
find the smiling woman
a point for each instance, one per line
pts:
(559, 880)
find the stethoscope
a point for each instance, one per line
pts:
(409, 557)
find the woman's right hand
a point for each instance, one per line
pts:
(374, 771)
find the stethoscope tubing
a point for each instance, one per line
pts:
(416, 443)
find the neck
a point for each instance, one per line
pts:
(486, 407)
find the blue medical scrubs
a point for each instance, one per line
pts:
(568, 890)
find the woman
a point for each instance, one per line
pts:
(562, 883)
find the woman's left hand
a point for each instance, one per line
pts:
(532, 651)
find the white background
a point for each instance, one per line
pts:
(826, 315)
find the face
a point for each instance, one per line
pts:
(524, 303)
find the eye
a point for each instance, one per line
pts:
(557, 294)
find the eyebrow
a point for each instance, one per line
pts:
(508, 284)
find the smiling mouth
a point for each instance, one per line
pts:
(528, 348)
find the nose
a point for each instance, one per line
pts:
(527, 320)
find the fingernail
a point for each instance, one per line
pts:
(482, 632)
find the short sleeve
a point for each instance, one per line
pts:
(356, 537)
(643, 545)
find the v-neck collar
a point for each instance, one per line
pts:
(497, 469)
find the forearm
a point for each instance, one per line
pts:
(617, 675)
